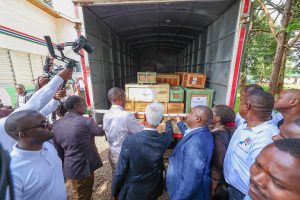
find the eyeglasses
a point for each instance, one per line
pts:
(43, 124)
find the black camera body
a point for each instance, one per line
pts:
(81, 43)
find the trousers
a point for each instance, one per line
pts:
(83, 188)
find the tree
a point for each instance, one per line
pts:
(260, 49)
(282, 35)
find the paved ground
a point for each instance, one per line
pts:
(102, 184)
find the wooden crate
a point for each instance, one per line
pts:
(129, 106)
(194, 80)
(146, 77)
(176, 94)
(181, 76)
(141, 107)
(172, 79)
(195, 97)
(175, 107)
(147, 93)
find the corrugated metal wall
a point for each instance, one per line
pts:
(112, 64)
(211, 53)
(19, 67)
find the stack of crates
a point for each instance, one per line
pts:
(177, 92)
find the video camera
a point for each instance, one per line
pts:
(80, 43)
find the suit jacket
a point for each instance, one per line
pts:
(188, 175)
(139, 172)
(75, 143)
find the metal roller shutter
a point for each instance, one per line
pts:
(36, 65)
(21, 66)
(6, 71)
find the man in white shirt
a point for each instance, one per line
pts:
(248, 140)
(118, 124)
(41, 101)
(276, 117)
(35, 166)
(22, 95)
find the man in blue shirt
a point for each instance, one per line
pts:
(188, 175)
(248, 140)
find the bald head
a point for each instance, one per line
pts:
(18, 121)
(204, 113)
(288, 100)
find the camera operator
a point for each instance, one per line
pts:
(44, 101)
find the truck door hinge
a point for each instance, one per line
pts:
(245, 18)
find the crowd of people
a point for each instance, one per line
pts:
(254, 154)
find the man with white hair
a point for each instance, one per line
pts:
(118, 124)
(139, 172)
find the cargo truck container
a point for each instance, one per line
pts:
(204, 36)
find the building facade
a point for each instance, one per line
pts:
(23, 25)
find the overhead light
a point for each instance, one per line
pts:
(167, 3)
(168, 21)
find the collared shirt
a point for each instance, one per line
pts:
(37, 174)
(187, 131)
(244, 147)
(21, 100)
(150, 129)
(118, 124)
(39, 100)
(276, 117)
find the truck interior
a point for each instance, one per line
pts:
(169, 36)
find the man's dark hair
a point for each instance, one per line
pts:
(72, 101)
(225, 112)
(226, 115)
(261, 102)
(251, 87)
(289, 145)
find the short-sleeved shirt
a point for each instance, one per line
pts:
(276, 117)
(37, 174)
(244, 147)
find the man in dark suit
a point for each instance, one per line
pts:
(75, 143)
(139, 172)
(188, 175)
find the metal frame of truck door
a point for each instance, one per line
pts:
(242, 29)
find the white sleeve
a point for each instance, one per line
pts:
(50, 107)
(133, 125)
(42, 97)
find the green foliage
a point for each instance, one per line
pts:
(261, 45)
(260, 50)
